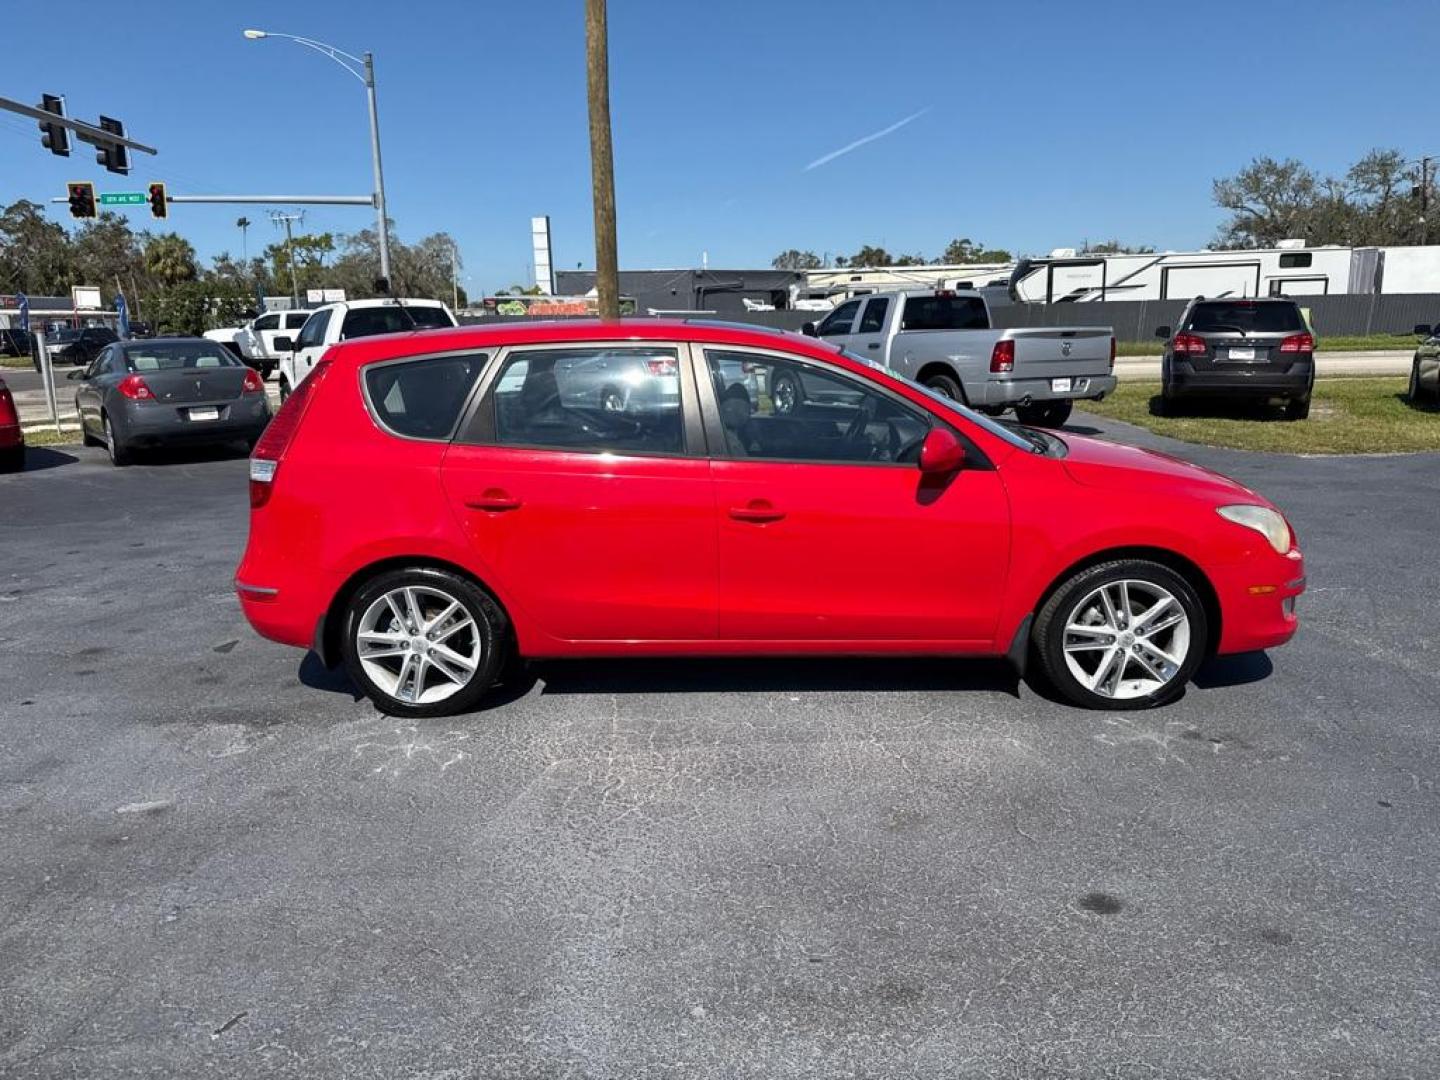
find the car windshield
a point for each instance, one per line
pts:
(1246, 317)
(63, 337)
(998, 430)
(178, 356)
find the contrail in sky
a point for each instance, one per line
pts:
(826, 159)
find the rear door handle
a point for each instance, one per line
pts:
(494, 500)
(758, 511)
(873, 345)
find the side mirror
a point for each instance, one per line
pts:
(941, 452)
(284, 344)
(1162, 331)
(809, 330)
(1422, 329)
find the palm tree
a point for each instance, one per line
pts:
(170, 259)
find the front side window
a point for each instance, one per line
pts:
(313, 332)
(422, 398)
(874, 320)
(620, 400)
(778, 409)
(839, 320)
(267, 322)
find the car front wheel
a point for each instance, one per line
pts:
(424, 642)
(1126, 634)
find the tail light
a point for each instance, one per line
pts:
(662, 367)
(1112, 353)
(8, 414)
(1188, 344)
(254, 384)
(278, 434)
(135, 388)
(1298, 343)
(1002, 358)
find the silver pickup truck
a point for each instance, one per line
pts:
(943, 340)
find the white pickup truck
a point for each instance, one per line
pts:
(943, 340)
(352, 319)
(254, 342)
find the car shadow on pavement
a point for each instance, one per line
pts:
(40, 458)
(1218, 408)
(317, 676)
(1237, 670)
(1080, 429)
(772, 674)
(188, 455)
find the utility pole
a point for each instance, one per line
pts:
(288, 220)
(454, 276)
(1424, 196)
(243, 223)
(602, 165)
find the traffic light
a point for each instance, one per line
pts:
(113, 156)
(54, 137)
(158, 205)
(82, 199)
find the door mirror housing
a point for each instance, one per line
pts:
(1162, 331)
(1422, 329)
(809, 330)
(284, 344)
(941, 452)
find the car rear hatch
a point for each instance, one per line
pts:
(197, 395)
(1244, 336)
(1061, 352)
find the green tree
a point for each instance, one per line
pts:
(910, 260)
(35, 254)
(106, 250)
(796, 260)
(1115, 247)
(868, 256)
(170, 259)
(311, 251)
(965, 250)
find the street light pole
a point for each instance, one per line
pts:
(366, 74)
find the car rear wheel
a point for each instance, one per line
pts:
(785, 392)
(1046, 414)
(284, 389)
(1126, 634)
(947, 385)
(119, 452)
(1415, 394)
(424, 642)
(1297, 408)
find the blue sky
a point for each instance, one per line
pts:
(1041, 124)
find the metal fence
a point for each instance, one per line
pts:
(1136, 320)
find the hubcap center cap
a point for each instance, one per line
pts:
(1127, 639)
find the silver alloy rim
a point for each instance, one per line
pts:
(1127, 639)
(109, 438)
(942, 389)
(784, 394)
(418, 644)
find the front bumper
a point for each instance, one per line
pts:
(1258, 601)
(155, 422)
(1239, 380)
(1003, 391)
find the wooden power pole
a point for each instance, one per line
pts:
(602, 165)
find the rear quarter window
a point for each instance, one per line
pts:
(422, 399)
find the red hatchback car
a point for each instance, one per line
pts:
(427, 507)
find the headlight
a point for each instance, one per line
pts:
(1268, 523)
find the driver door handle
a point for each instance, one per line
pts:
(757, 511)
(494, 500)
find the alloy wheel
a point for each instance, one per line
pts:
(1126, 639)
(784, 394)
(418, 644)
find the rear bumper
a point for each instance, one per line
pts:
(1258, 601)
(157, 422)
(1002, 391)
(1239, 380)
(11, 436)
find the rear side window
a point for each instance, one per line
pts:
(296, 319)
(365, 322)
(422, 399)
(945, 313)
(1246, 317)
(874, 319)
(428, 318)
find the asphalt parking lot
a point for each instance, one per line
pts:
(215, 861)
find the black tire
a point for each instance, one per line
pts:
(947, 385)
(1415, 393)
(120, 454)
(491, 630)
(1045, 414)
(991, 410)
(786, 392)
(12, 458)
(1049, 633)
(86, 439)
(1297, 408)
(284, 389)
